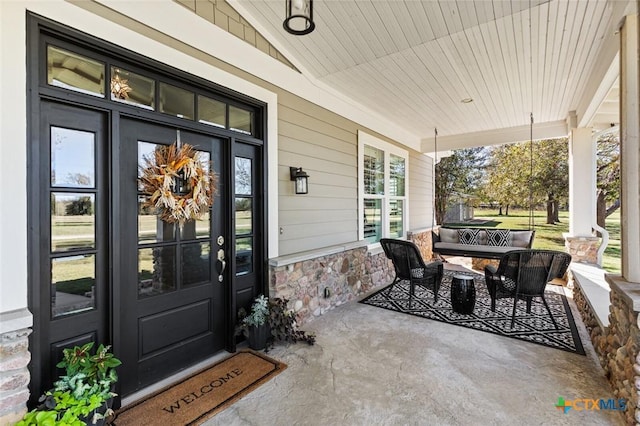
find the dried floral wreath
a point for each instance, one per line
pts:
(177, 183)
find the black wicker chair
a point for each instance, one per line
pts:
(409, 266)
(523, 275)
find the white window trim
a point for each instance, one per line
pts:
(367, 139)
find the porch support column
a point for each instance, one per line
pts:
(580, 241)
(620, 355)
(630, 149)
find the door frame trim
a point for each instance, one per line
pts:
(38, 28)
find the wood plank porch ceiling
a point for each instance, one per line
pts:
(415, 61)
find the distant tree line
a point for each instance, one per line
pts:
(524, 174)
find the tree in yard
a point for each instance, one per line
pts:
(608, 176)
(526, 175)
(502, 184)
(80, 206)
(551, 175)
(459, 173)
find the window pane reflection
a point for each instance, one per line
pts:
(192, 229)
(156, 271)
(72, 158)
(205, 159)
(243, 216)
(145, 150)
(131, 88)
(244, 255)
(396, 228)
(150, 228)
(372, 220)
(75, 72)
(196, 263)
(243, 176)
(212, 112)
(73, 281)
(176, 101)
(240, 120)
(373, 170)
(397, 176)
(73, 221)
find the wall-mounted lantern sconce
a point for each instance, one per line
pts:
(301, 178)
(299, 17)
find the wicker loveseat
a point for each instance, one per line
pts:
(486, 243)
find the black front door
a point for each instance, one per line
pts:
(170, 294)
(101, 267)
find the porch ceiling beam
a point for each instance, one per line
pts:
(596, 94)
(601, 117)
(606, 70)
(548, 130)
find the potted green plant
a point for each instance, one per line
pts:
(255, 324)
(83, 395)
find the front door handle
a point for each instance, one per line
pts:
(221, 265)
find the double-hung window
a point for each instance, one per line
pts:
(382, 183)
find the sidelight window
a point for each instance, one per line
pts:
(244, 216)
(72, 207)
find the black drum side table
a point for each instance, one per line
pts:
(463, 294)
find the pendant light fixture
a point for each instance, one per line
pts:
(299, 17)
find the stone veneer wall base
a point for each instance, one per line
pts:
(318, 284)
(617, 345)
(14, 375)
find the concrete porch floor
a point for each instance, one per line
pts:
(373, 366)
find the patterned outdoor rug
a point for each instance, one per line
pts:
(535, 327)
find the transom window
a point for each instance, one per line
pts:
(382, 171)
(81, 74)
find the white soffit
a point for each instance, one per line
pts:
(414, 61)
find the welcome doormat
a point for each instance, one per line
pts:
(203, 394)
(535, 327)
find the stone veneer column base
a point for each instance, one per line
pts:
(14, 375)
(582, 249)
(422, 239)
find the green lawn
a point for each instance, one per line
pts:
(550, 236)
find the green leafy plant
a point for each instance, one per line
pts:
(284, 327)
(280, 318)
(77, 396)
